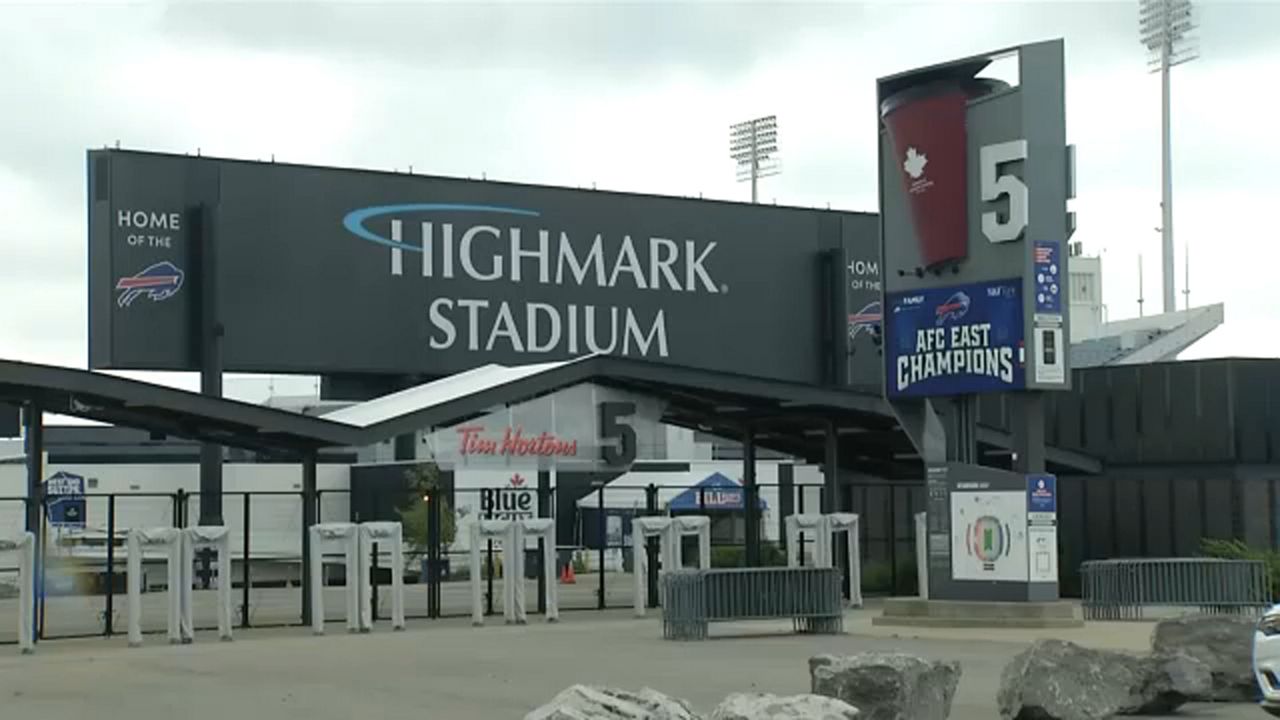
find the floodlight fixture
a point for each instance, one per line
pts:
(1166, 29)
(753, 144)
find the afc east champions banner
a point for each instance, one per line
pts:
(956, 340)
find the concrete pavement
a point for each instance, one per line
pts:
(446, 669)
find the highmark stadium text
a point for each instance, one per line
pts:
(955, 350)
(486, 253)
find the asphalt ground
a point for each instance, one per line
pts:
(448, 669)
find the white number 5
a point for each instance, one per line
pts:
(990, 158)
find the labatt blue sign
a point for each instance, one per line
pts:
(956, 340)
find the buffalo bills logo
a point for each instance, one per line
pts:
(954, 308)
(159, 282)
(865, 320)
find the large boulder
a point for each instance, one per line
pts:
(1223, 642)
(1171, 680)
(585, 702)
(1057, 680)
(887, 686)
(753, 706)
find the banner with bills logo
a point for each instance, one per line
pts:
(956, 340)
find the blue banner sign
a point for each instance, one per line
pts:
(64, 500)
(955, 340)
(1042, 494)
(1048, 278)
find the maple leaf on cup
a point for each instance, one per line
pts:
(915, 162)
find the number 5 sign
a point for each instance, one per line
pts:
(996, 184)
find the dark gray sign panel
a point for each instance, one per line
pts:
(323, 270)
(10, 421)
(975, 178)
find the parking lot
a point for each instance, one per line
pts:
(447, 669)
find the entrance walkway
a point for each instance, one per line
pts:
(446, 669)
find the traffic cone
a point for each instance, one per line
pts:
(566, 576)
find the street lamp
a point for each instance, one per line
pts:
(1165, 28)
(754, 146)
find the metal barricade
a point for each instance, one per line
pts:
(1121, 589)
(810, 596)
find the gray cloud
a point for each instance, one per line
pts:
(633, 95)
(590, 39)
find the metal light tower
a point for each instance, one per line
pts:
(1165, 27)
(754, 145)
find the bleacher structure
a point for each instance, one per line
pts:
(1098, 341)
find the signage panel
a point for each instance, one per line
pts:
(322, 270)
(1042, 528)
(64, 500)
(1042, 497)
(953, 340)
(564, 430)
(989, 536)
(975, 175)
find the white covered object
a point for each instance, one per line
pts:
(643, 528)
(201, 536)
(24, 544)
(699, 525)
(813, 523)
(170, 541)
(389, 533)
(504, 530)
(535, 528)
(344, 536)
(922, 554)
(847, 523)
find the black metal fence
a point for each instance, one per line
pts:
(81, 572)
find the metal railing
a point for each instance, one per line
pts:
(809, 596)
(80, 585)
(1122, 589)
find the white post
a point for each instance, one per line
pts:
(855, 562)
(513, 574)
(699, 525)
(391, 533)
(317, 581)
(477, 599)
(171, 540)
(134, 584)
(346, 534)
(541, 528)
(847, 523)
(503, 530)
(353, 577)
(510, 563)
(922, 554)
(25, 544)
(643, 528)
(816, 524)
(218, 538)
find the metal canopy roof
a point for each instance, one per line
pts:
(159, 409)
(450, 400)
(787, 417)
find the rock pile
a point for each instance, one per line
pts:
(1222, 642)
(584, 702)
(1056, 680)
(887, 686)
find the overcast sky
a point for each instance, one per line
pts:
(628, 97)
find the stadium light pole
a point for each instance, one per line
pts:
(753, 144)
(1165, 28)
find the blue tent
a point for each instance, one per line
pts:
(717, 491)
